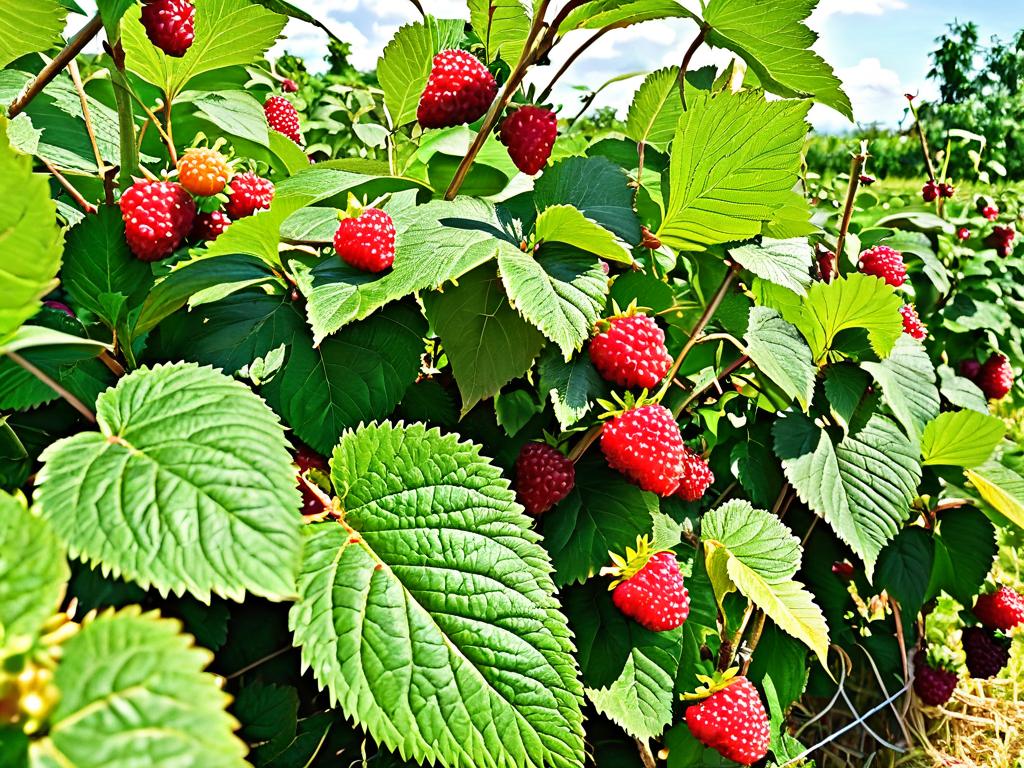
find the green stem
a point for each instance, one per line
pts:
(125, 117)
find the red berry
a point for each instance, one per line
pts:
(843, 569)
(652, 592)
(157, 217)
(203, 172)
(644, 444)
(946, 190)
(207, 227)
(970, 369)
(697, 476)
(930, 191)
(733, 722)
(963, 233)
(632, 352)
(912, 325)
(529, 133)
(289, 86)
(995, 377)
(826, 261)
(249, 193)
(1002, 609)
(990, 212)
(306, 459)
(170, 24)
(932, 685)
(1001, 238)
(986, 654)
(884, 262)
(367, 242)
(544, 476)
(866, 180)
(459, 90)
(648, 240)
(283, 118)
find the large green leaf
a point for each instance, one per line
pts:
(782, 262)
(502, 25)
(780, 352)
(435, 243)
(1001, 488)
(572, 386)
(596, 187)
(735, 159)
(432, 620)
(655, 109)
(907, 379)
(31, 245)
(188, 486)
(561, 291)
(33, 571)
(961, 438)
(861, 486)
(29, 27)
(774, 41)
(752, 551)
(566, 224)
(357, 375)
(853, 301)
(405, 65)
(965, 548)
(133, 691)
(487, 342)
(228, 33)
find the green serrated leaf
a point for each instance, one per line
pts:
(597, 188)
(961, 392)
(961, 438)
(735, 160)
(188, 486)
(862, 486)
(853, 301)
(783, 262)
(566, 224)
(965, 548)
(502, 25)
(236, 113)
(774, 41)
(655, 109)
(440, 554)
(1001, 488)
(29, 27)
(572, 386)
(907, 379)
(33, 571)
(620, 13)
(132, 688)
(780, 352)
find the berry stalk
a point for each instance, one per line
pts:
(71, 400)
(856, 169)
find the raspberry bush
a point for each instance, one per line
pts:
(412, 422)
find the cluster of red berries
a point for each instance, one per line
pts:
(1001, 238)
(159, 216)
(933, 190)
(994, 377)
(884, 262)
(460, 90)
(170, 25)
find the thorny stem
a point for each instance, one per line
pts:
(84, 204)
(856, 168)
(76, 78)
(73, 401)
(51, 70)
(697, 41)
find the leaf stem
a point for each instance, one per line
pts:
(716, 382)
(924, 141)
(75, 195)
(646, 756)
(76, 79)
(54, 68)
(73, 401)
(572, 59)
(856, 168)
(585, 442)
(754, 637)
(731, 644)
(697, 41)
(125, 116)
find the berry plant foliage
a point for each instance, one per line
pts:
(410, 419)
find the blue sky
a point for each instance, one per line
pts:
(878, 47)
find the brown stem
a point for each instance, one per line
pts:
(159, 126)
(73, 401)
(646, 756)
(419, 8)
(169, 135)
(725, 374)
(754, 637)
(84, 204)
(705, 318)
(572, 58)
(731, 644)
(924, 142)
(111, 362)
(51, 70)
(697, 41)
(585, 442)
(856, 168)
(76, 78)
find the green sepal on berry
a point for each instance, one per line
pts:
(711, 684)
(635, 560)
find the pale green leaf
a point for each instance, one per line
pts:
(237, 113)
(566, 224)
(432, 621)
(640, 700)
(188, 486)
(776, 44)
(133, 691)
(961, 438)
(907, 379)
(735, 159)
(29, 27)
(32, 243)
(33, 571)
(595, 186)
(228, 33)
(405, 65)
(780, 352)
(502, 25)
(655, 109)
(620, 13)
(783, 262)
(853, 301)
(1001, 488)
(862, 487)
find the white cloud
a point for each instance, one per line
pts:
(875, 91)
(828, 8)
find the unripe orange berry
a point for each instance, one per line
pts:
(204, 172)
